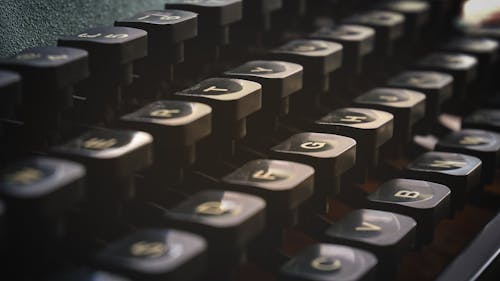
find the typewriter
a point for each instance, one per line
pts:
(250, 140)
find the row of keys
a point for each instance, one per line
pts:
(103, 141)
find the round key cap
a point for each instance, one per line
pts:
(111, 158)
(110, 49)
(284, 185)
(462, 67)
(460, 172)
(357, 42)
(218, 13)
(279, 79)
(228, 220)
(39, 193)
(215, 16)
(316, 56)
(174, 125)
(370, 128)
(167, 30)
(437, 87)
(232, 100)
(330, 155)
(388, 235)
(330, 262)
(155, 254)
(484, 145)
(417, 14)
(426, 202)
(42, 187)
(408, 107)
(484, 49)
(53, 70)
(484, 119)
(389, 27)
(177, 127)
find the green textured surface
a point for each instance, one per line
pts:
(30, 23)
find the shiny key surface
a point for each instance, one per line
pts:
(370, 128)
(387, 235)
(228, 220)
(407, 106)
(483, 119)
(221, 12)
(316, 56)
(424, 201)
(484, 145)
(330, 262)
(109, 45)
(284, 185)
(42, 186)
(437, 87)
(330, 155)
(460, 172)
(155, 254)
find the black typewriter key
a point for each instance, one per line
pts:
(460, 172)
(462, 67)
(437, 87)
(357, 42)
(233, 100)
(279, 81)
(330, 262)
(284, 185)
(42, 187)
(167, 30)
(215, 16)
(155, 254)
(112, 51)
(484, 145)
(330, 155)
(52, 71)
(111, 158)
(388, 235)
(177, 127)
(417, 15)
(389, 27)
(39, 192)
(220, 12)
(483, 119)
(407, 106)
(228, 220)
(86, 274)
(484, 49)
(370, 128)
(10, 91)
(319, 59)
(426, 202)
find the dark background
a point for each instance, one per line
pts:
(30, 23)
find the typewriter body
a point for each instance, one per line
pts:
(249, 140)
